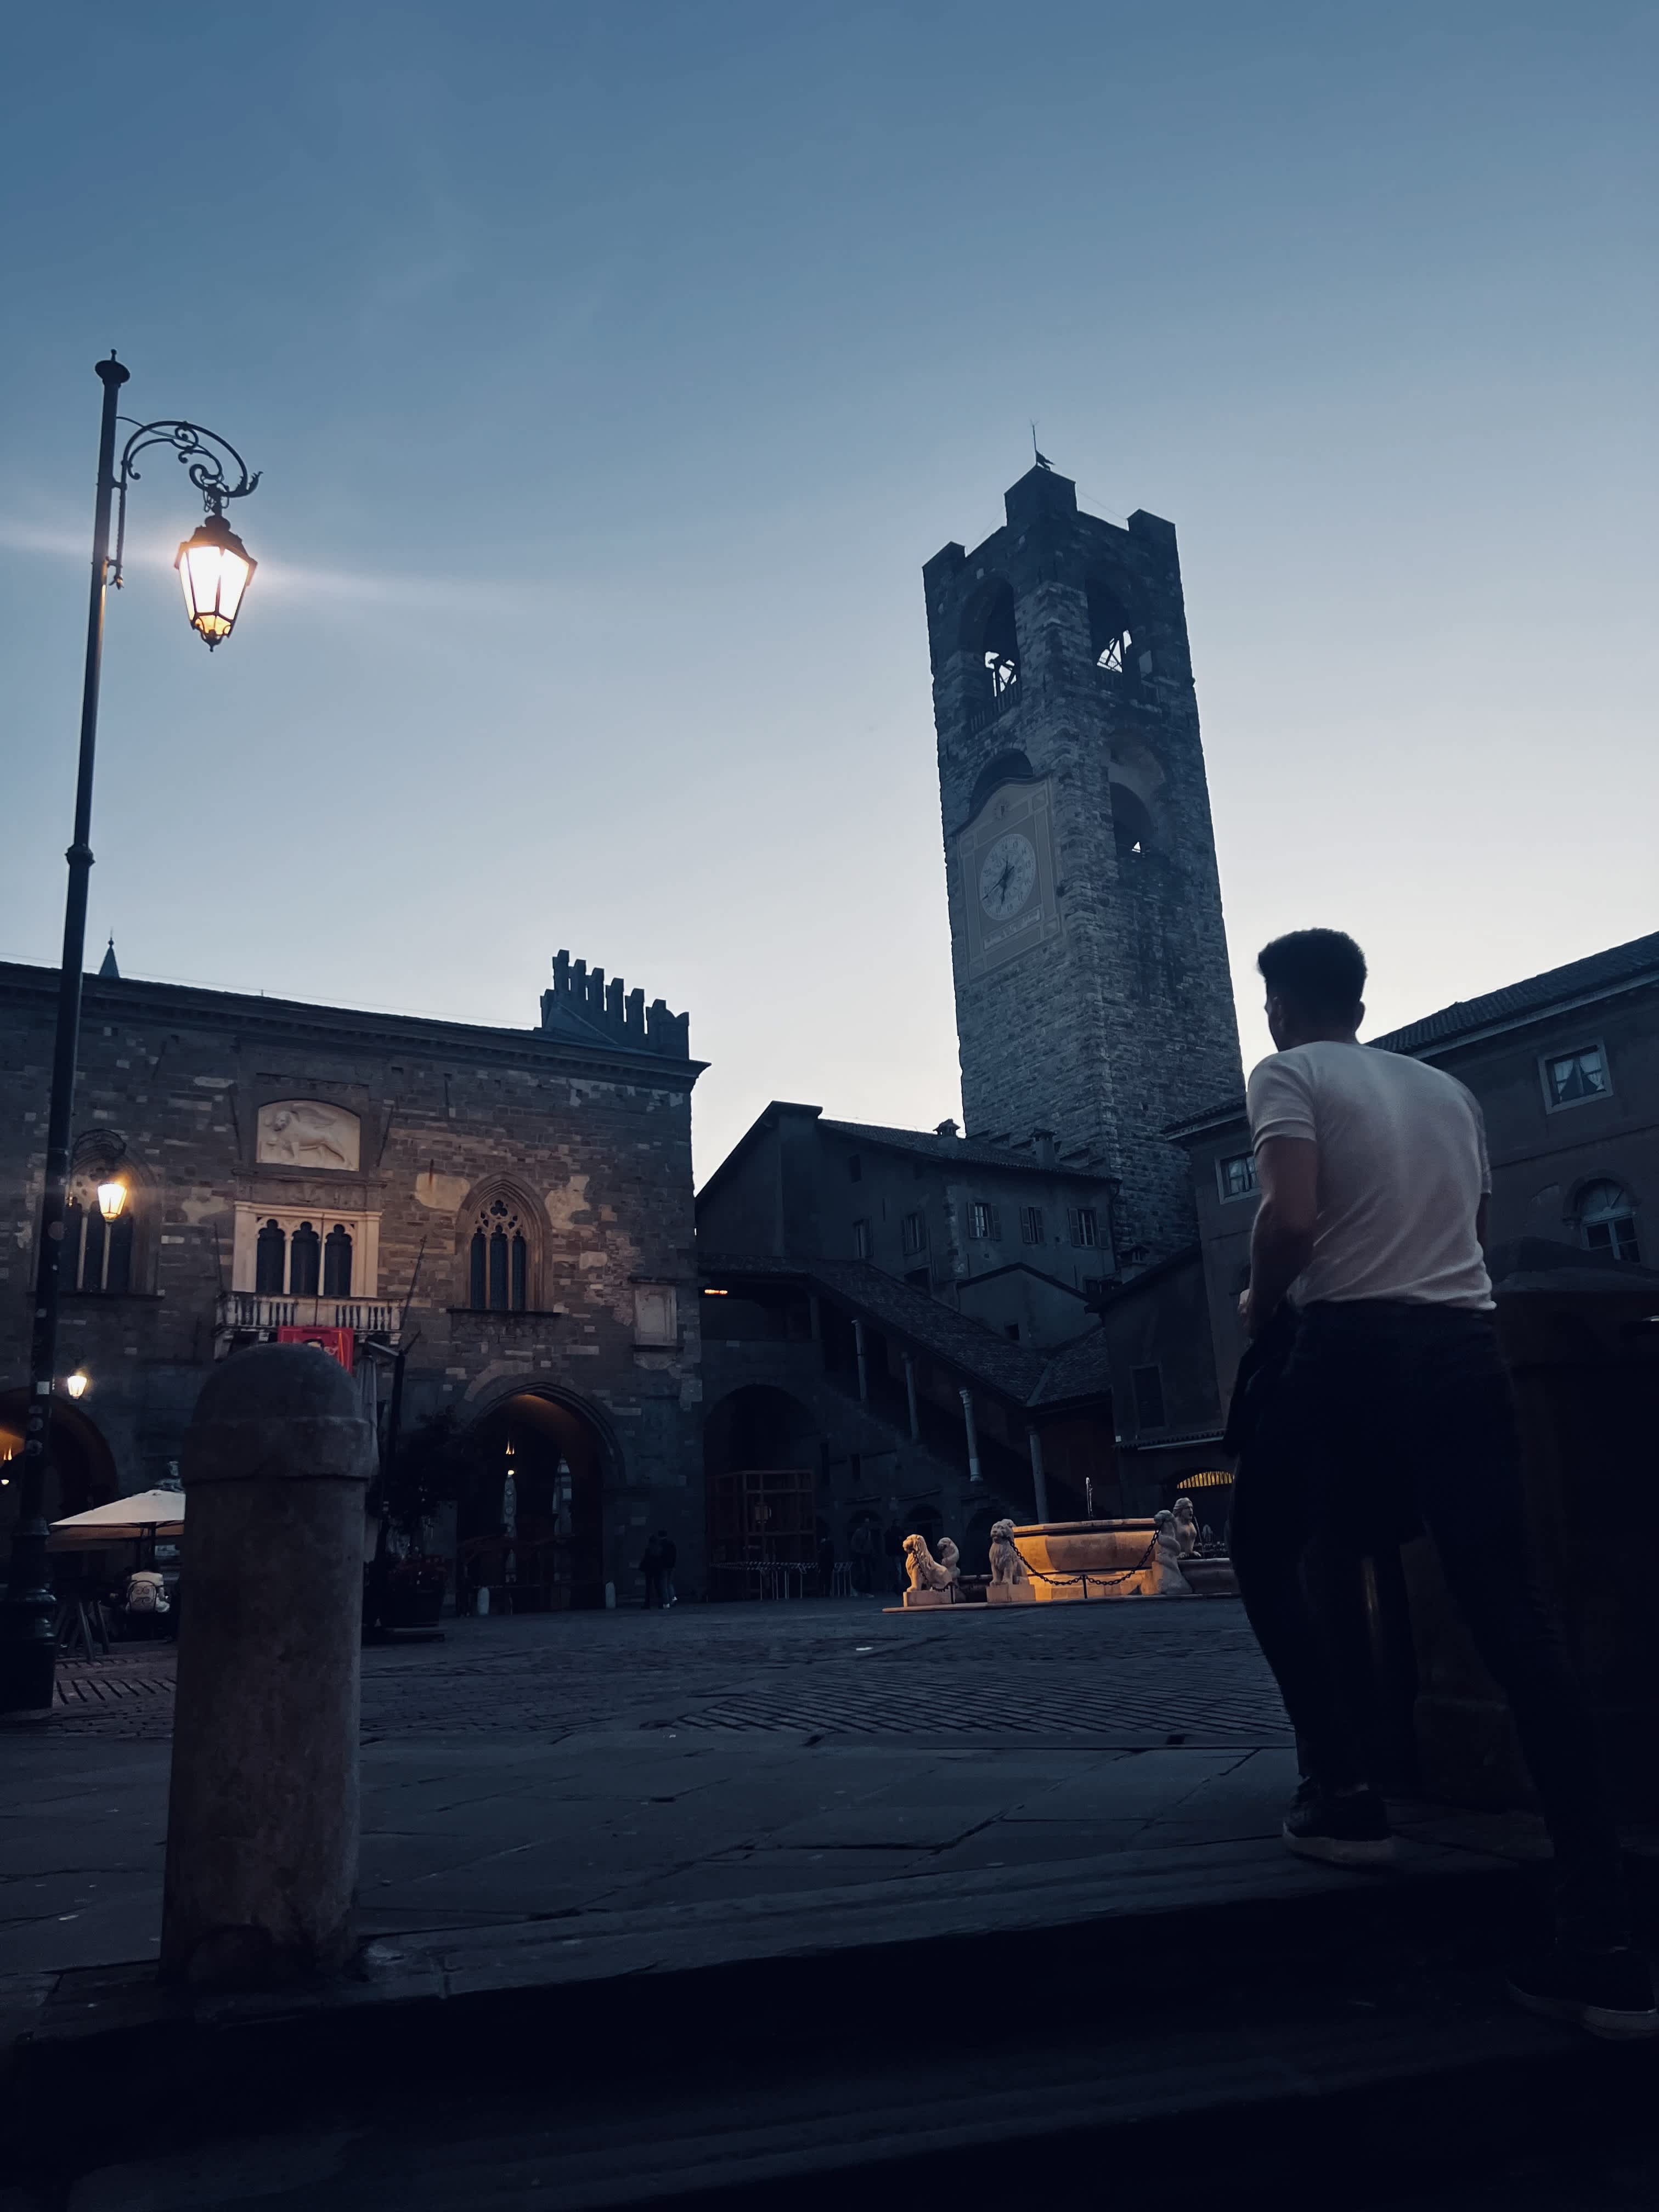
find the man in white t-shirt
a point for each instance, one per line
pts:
(1373, 1402)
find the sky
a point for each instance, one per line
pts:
(613, 369)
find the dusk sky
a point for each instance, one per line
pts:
(613, 369)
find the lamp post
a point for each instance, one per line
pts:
(214, 566)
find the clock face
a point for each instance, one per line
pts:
(1008, 876)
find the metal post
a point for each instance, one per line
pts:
(967, 1397)
(864, 1368)
(910, 1395)
(27, 1645)
(1039, 1477)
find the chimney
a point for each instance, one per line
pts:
(1042, 1143)
(947, 1129)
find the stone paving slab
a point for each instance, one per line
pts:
(613, 1804)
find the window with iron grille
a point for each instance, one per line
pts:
(1086, 1227)
(1030, 1225)
(914, 1231)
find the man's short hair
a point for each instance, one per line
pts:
(1319, 972)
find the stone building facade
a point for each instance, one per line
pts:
(1093, 995)
(1565, 1067)
(511, 1211)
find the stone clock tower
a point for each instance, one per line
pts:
(1093, 998)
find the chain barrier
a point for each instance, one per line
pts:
(1106, 1582)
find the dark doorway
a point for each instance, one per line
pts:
(550, 1556)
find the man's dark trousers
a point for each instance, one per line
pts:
(1388, 1416)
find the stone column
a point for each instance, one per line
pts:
(864, 1366)
(967, 1397)
(910, 1398)
(263, 1812)
(1039, 1477)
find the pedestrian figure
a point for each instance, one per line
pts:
(651, 1566)
(668, 1555)
(862, 1548)
(1373, 1402)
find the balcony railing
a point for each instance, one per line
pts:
(254, 1313)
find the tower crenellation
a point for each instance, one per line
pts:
(1093, 992)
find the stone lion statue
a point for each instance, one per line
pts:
(925, 1571)
(1006, 1564)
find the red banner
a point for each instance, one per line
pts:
(338, 1343)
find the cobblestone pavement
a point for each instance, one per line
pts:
(1124, 1676)
(551, 1764)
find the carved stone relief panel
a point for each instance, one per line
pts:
(306, 1133)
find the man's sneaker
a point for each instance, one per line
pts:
(1349, 1829)
(1608, 1992)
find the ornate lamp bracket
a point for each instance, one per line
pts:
(199, 452)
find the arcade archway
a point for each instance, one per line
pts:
(539, 1544)
(83, 1472)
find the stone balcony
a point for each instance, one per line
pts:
(255, 1313)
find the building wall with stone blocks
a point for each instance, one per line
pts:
(1093, 994)
(247, 1128)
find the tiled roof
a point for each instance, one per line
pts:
(1013, 1370)
(972, 1151)
(1621, 963)
(1593, 977)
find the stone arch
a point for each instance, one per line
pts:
(500, 1205)
(1009, 766)
(122, 1257)
(989, 635)
(1113, 646)
(83, 1472)
(567, 1468)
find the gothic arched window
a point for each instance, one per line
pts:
(1132, 822)
(270, 1261)
(1109, 636)
(336, 1262)
(992, 642)
(305, 1261)
(1606, 1220)
(98, 1252)
(498, 1269)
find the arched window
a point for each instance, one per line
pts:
(336, 1262)
(992, 642)
(1606, 1220)
(1109, 636)
(270, 1261)
(303, 1262)
(1132, 822)
(98, 1252)
(498, 1259)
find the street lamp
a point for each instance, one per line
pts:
(76, 1384)
(214, 566)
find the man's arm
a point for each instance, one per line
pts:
(1281, 1242)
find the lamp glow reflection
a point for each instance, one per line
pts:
(76, 1384)
(112, 1197)
(214, 567)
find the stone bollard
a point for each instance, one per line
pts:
(262, 1811)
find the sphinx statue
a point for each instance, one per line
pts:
(1171, 1583)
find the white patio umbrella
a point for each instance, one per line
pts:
(145, 1513)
